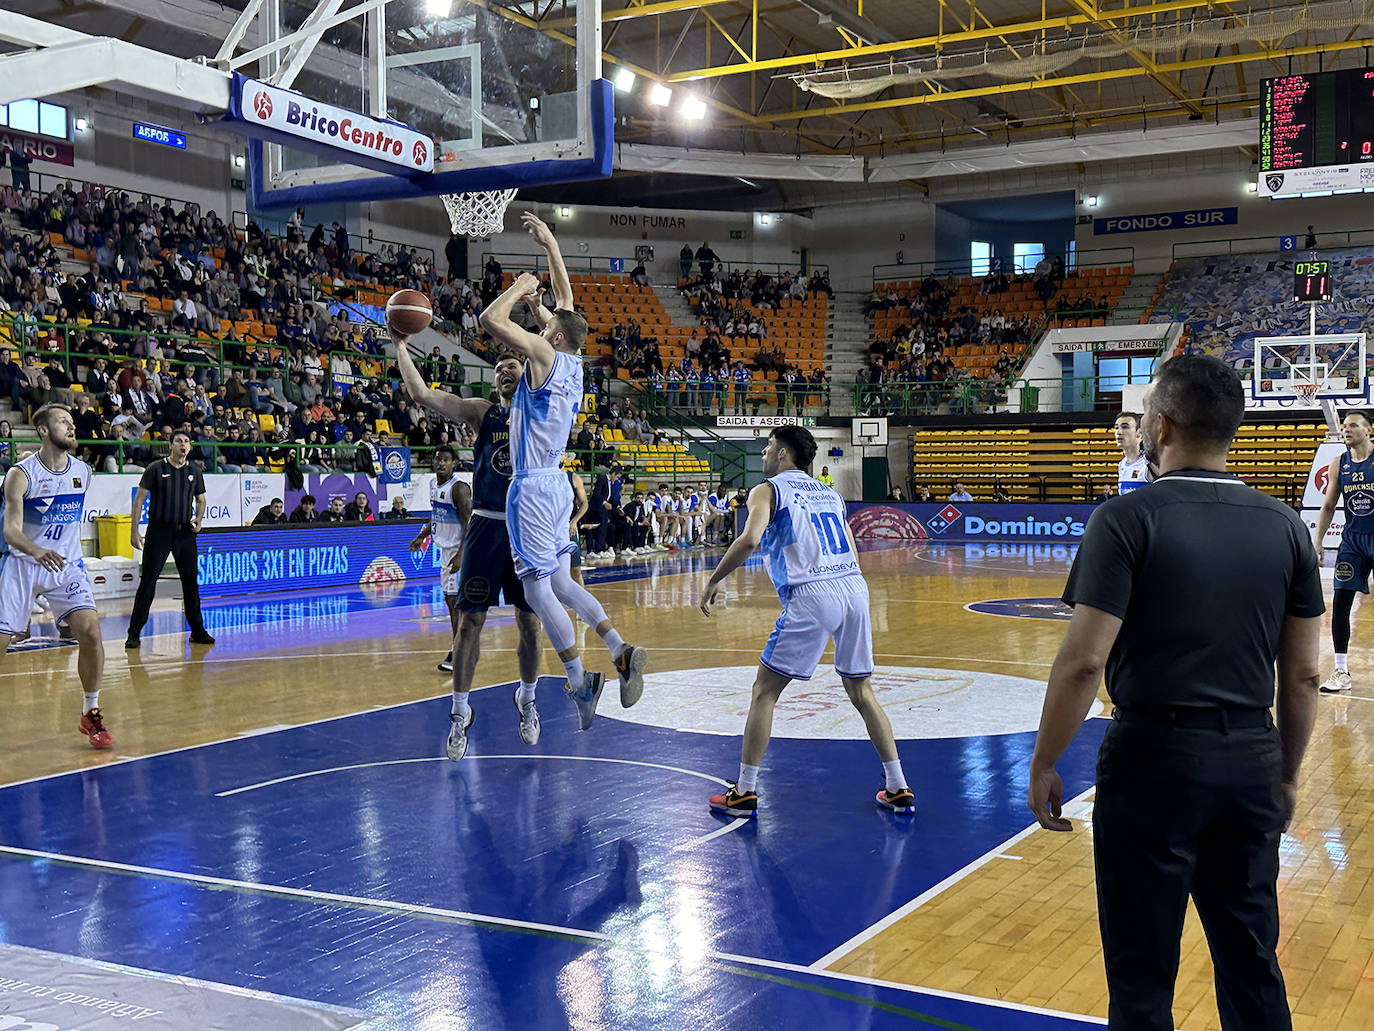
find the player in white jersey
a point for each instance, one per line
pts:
(539, 501)
(44, 496)
(450, 507)
(812, 561)
(1134, 469)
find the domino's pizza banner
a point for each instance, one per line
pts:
(372, 556)
(968, 521)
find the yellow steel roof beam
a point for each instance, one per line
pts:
(939, 40)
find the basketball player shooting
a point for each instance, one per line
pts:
(1352, 473)
(800, 524)
(539, 502)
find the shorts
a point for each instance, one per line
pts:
(538, 511)
(21, 581)
(448, 581)
(488, 570)
(811, 616)
(1354, 560)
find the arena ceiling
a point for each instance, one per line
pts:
(884, 78)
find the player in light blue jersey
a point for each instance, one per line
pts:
(1134, 470)
(450, 508)
(44, 497)
(800, 525)
(539, 502)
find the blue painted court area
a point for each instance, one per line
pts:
(582, 883)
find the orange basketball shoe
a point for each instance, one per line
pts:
(94, 728)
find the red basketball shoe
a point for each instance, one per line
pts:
(94, 728)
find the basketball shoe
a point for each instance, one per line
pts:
(457, 745)
(446, 663)
(1340, 681)
(736, 803)
(630, 666)
(529, 719)
(586, 698)
(94, 728)
(899, 801)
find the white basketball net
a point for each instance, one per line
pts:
(477, 214)
(1305, 392)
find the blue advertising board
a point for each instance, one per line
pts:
(1197, 218)
(294, 557)
(159, 134)
(968, 521)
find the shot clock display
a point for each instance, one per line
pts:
(1312, 281)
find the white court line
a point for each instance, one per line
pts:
(597, 937)
(733, 825)
(930, 893)
(437, 759)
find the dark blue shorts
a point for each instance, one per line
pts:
(487, 569)
(1354, 561)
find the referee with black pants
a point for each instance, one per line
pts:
(1186, 592)
(175, 491)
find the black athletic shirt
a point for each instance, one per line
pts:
(1202, 570)
(491, 465)
(172, 492)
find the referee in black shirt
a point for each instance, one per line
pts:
(175, 491)
(1186, 592)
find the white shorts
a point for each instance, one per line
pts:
(449, 581)
(811, 616)
(538, 511)
(21, 581)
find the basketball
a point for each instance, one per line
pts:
(408, 312)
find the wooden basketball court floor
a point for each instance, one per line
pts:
(277, 816)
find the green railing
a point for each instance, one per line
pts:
(1097, 257)
(43, 183)
(260, 352)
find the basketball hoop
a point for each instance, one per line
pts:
(1305, 392)
(477, 214)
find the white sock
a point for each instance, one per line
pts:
(1342, 663)
(92, 700)
(614, 642)
(748, 778)
(893, 772)
(573, 667)
(525, 695)
(460, 704)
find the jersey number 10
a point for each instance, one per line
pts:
(830, 532)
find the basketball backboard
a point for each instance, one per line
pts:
(1323, 366)
(506, 101)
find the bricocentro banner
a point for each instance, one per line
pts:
(297, 557)
(968, 521)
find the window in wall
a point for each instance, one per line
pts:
(980, 257)
(24, 115)
(1115, 373)
(52, 120)
(1027, 255)
(1072, 262)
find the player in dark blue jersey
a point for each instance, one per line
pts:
(1351, 474)
(487, 567)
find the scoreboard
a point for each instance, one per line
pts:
(1317, 133)
(1312, 281)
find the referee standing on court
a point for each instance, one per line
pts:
(1186, 592)
(175, 491)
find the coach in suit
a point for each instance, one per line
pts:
(1186, 592)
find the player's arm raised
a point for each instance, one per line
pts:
(496, 320)
(16, 482)
(540, 313)
(1328, 510)
(558, 272)
(465, 410)
(760, 515)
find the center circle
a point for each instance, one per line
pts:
(922, 703)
